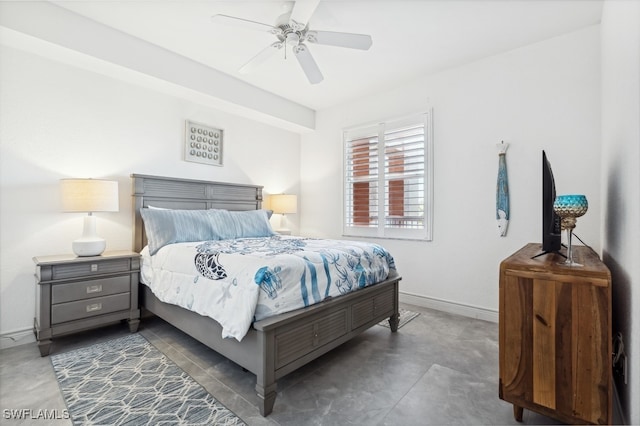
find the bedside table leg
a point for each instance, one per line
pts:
(133, 325)
(44, 346)
(517, 413)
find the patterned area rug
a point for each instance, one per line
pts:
(405, 317)
(129, 381)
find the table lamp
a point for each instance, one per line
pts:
(569, 208)
(89, 195)
(284, 204)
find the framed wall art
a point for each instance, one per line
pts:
(203, 144)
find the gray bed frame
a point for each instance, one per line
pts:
(278, 345)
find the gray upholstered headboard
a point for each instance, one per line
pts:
(175, 193)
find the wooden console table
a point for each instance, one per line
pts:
(555, 336)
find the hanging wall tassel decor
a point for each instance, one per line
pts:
(502, 190)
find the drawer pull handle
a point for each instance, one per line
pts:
(94, 307)
(94, 288)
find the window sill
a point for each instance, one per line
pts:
(375, 237)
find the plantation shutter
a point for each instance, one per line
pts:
(361, 176)
(404, 149)
(386, 179)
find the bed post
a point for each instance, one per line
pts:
(265, 376)
(394, 319)
(138, 227)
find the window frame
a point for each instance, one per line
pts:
(380, 230)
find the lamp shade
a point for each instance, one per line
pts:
(284, 203)
(89, 195)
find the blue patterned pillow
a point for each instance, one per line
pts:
(241, 224)
(168, 226)
(177, 226)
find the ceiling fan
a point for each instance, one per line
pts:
(291, 29)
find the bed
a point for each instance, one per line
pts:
(275, 346)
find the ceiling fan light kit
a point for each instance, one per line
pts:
(293, 31)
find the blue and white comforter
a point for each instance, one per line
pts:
(238, 281)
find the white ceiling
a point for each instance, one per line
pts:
(410, 38)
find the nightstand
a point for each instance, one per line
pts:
(80, 293)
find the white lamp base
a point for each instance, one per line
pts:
(90, 244)
(283, 230)
(82, 247)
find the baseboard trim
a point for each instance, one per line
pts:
(17, 338)
(450, 306)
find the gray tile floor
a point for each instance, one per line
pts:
(438, 369)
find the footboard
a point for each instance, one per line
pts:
(292, 340)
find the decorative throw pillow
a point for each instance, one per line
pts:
(241, 224)
(168, 226)
(176, 226)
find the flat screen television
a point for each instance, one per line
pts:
(551, 230)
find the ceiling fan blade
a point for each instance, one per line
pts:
(308, 64)
(261, 57)
(244, 23)
(352, 41)
(301, 13)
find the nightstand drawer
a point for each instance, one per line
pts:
(70, 311)
(70, 292)
(84, 269)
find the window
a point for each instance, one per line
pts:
(388, 178)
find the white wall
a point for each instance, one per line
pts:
(59, 121)
(543, 96)
(621, 183)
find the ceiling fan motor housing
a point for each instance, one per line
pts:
(291, 36)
